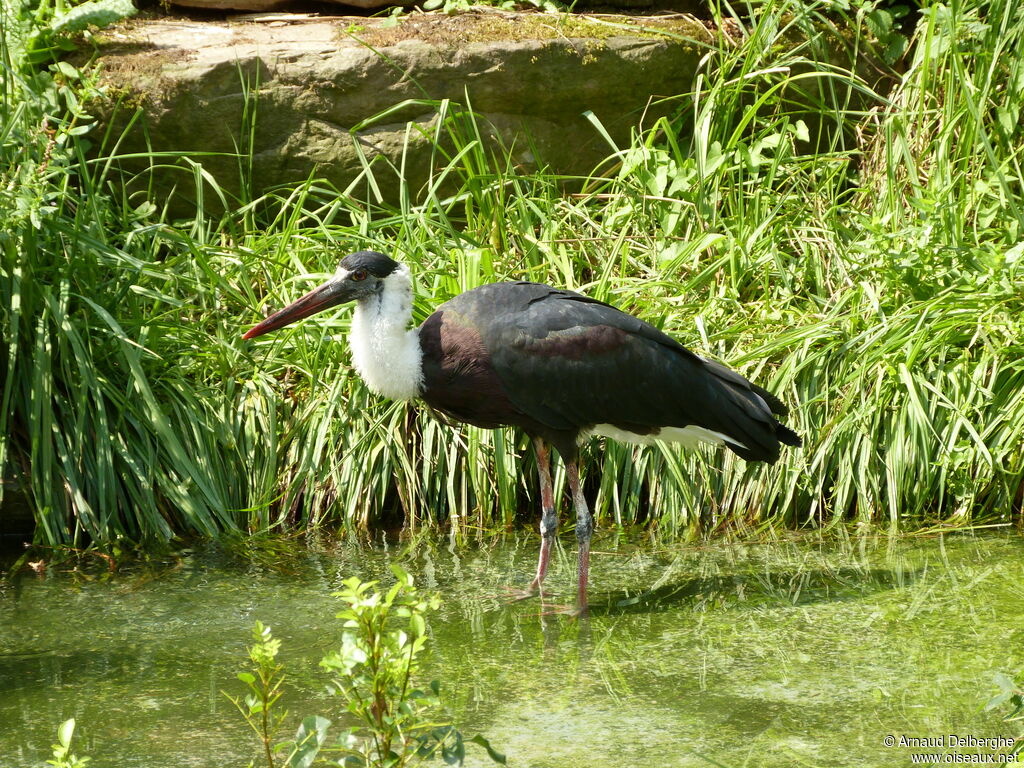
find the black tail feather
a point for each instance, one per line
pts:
(777, 406)
(758, 429)
(787, 435)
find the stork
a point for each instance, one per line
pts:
(557, 364)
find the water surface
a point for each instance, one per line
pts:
(735, 654)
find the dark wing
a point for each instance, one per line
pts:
(570, 362)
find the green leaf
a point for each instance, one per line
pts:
(491, 751)
(66, 69)
(800, 128)
(455, 754)
(402, 575)
(419, 625)
(66, 731)
(95, 13)
(309, 740)
(1014, 253)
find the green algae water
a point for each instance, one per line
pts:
(780, 654)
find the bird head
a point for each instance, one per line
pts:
(360, 275)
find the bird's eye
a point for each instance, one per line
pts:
(358, 275)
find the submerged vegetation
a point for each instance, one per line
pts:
(854, 247)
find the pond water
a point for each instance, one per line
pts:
(733, 654)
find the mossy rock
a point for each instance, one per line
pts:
(328, 98)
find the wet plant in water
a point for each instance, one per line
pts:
(264, 683)
(62, 755)
(373, 671)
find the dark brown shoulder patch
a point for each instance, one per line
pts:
(578, 342)
(458, 376)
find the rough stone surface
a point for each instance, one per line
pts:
(268, 5)
(254, 6)
(330, 95)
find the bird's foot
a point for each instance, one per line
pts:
(515, 595)
(572, 611)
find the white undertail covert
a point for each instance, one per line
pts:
(385, 351)
(687, 437)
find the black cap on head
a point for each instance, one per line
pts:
(377, 264)
(362, 276)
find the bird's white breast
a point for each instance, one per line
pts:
(386, 354)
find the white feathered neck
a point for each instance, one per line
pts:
(385, 351)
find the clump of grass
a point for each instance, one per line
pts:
(856, 253)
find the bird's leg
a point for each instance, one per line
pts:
(584, 528)
(549, 518)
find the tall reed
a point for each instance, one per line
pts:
(855, 252)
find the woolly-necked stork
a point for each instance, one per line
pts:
(557, 364)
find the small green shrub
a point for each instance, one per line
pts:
(62, 756)
(374, 672)
(264, 683)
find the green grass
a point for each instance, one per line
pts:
(853, 248)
